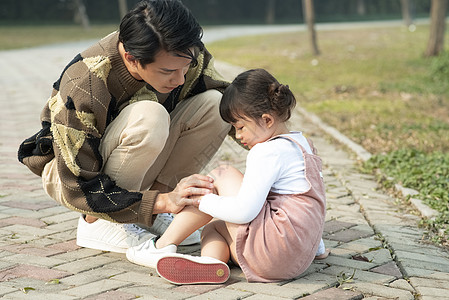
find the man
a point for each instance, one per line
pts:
(128, 126)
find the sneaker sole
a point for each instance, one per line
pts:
(181, 270)
(93, 244)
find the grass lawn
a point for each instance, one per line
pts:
(23, 36)
(375, 86)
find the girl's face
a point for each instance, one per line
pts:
(251, 132)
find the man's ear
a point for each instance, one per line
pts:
(268, 120)
(131, 59)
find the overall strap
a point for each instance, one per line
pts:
(296, 142)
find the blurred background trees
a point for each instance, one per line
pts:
(227, 12)
(216, 12)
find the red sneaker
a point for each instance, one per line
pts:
(187, 269)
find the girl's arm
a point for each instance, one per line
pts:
(262, 170)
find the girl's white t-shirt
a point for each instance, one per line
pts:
(276, 165)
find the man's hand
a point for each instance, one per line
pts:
(187, 192)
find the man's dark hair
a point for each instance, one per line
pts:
(155, 25)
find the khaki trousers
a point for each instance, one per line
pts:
(145, 144)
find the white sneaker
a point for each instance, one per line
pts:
(146, 254)
(108, 236)
(161, 224)
(188, 269)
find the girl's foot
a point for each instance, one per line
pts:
(324, 255)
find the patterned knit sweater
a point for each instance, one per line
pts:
(91, 91)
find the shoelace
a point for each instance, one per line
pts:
(165, 218)
(133, 229)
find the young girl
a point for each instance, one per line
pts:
(270, 220)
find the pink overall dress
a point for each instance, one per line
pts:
(281, 242)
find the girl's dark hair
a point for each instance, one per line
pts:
(254, 93)
(155, 25)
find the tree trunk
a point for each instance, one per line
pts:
(437, 27)
(361, 7)
(80, 15)
(271, 9)
(406, 8)
(309, 15)
(122, 8)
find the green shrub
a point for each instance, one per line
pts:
(427, 173)
(439, 66)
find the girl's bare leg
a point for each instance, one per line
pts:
(218, 241)
(218, 237)
(184, 224)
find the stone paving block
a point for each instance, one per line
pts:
(97, 287)
(152, 292)
(6, 290)
(345, 215)
(263, 297)
(316, 266)
(65, 246)
(224, 294)
(312, 283)
(331, 244)
(46, 212)
(431, 291)
(93, 275)
(349, 209)
(378, 257)
(36, 286)
(37, 296)
(336, 225)
(423, 257)
(124, 265)
(61, 217)
(334, 294)
(266, 289)
(29, 271)
(63, 235)
(402, 284)
(383, 218)
(380, 290)
(333, 200)
(426, 282)
(415, 247)
(363, 245)
(30, 205)
(151, 278)
(81, 253)
(337, 251)
(196, 289)
(27, 231)
(396, 233)
(359, 275)
(349, 263)
(5, 264)
(22, 221)
(66, 226)
(388, 269)
(30, 249)
(84, 264)
(347, 235)
(48, 262)
(406, 263)
(114, 295)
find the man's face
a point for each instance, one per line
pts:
(166, 72)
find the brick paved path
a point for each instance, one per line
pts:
(376, 250)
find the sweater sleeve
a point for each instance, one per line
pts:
(257, 181)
